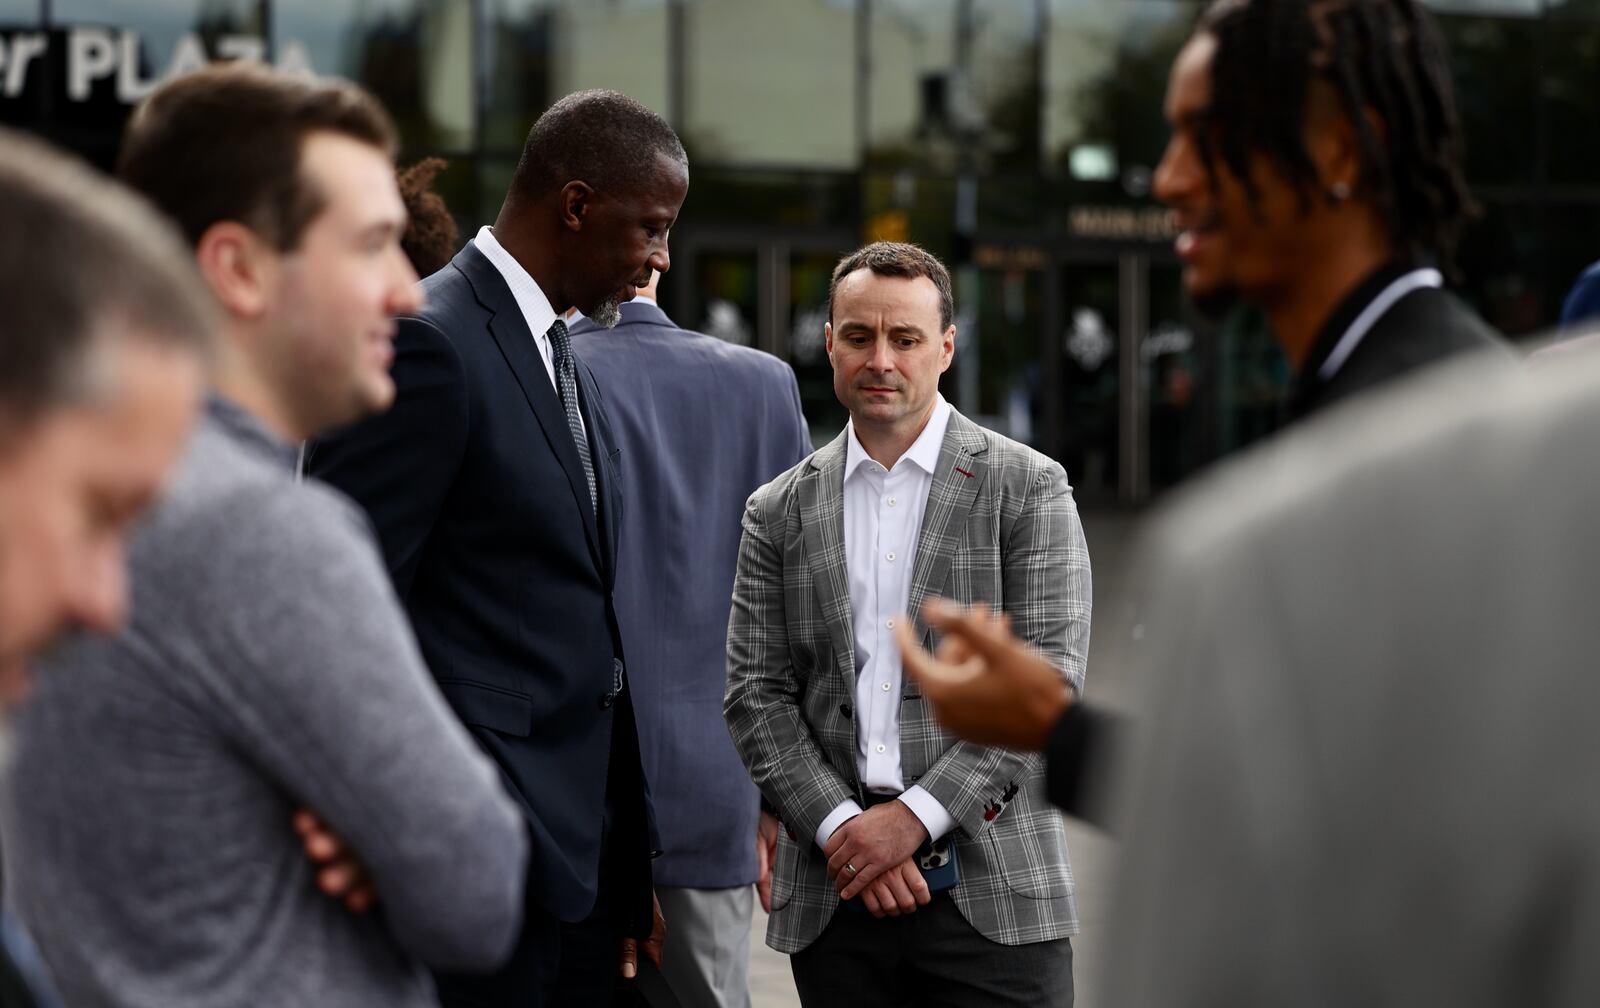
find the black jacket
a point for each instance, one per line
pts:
(481, 505)
(1424, 327)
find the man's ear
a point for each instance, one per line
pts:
(1335, 144)
(827, 338)
(239, 266)
(576, 200)
(949, 348)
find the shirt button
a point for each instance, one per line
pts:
(889, 624)
(886, 687)
(890, 557)
(891, 502)
(882, 748)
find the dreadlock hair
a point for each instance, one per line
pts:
(1382, 56)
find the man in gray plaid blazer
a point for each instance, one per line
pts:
(911, 501)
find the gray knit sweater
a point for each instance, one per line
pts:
(268, 667)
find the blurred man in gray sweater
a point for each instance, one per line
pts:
(267, 672)
(107, 326)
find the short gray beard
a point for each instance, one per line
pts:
(606, 314)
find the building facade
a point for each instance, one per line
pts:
(1015, 138)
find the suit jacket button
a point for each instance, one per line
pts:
(844, 709)
(606, 700)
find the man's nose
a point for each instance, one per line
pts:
(882, 360)
(1176, 173)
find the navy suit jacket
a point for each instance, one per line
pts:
(481, 505)
(701, 424)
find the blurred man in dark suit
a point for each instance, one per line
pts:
(701, 424)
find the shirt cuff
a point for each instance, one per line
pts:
(936, 819)
(844, 810)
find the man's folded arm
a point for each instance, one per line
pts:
(331, 698)
(762, 704)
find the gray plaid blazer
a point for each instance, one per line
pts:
(1000, 527)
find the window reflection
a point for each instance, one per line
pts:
(954, 82)
(809, 274)
(1570, 81)
(415, 55)
(1090, 360)
(727, 288)
(540, 50)
(1495, 70)
(788, 102)
(1006, 342)
(1173, 356)
(1106, 78)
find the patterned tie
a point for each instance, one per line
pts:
(567, 379)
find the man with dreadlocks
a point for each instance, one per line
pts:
(1315, 171)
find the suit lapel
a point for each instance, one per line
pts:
(956, 480)
(821, 498)
(510, 332)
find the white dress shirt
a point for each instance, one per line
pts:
(882, 518)
(536, 309)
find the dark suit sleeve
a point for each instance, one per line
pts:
(1075, 758)
(400, 464)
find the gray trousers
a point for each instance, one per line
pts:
(928, 959)
(707, 956)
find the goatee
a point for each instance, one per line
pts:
(606, 314)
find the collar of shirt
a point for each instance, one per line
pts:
(923, 453)
(247, 430)
(536, 309)
(1351, 320)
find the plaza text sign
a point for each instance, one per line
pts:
(89, 56)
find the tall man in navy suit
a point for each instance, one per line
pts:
(494, 487)
(701, 424)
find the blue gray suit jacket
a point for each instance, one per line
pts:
(701, 424)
